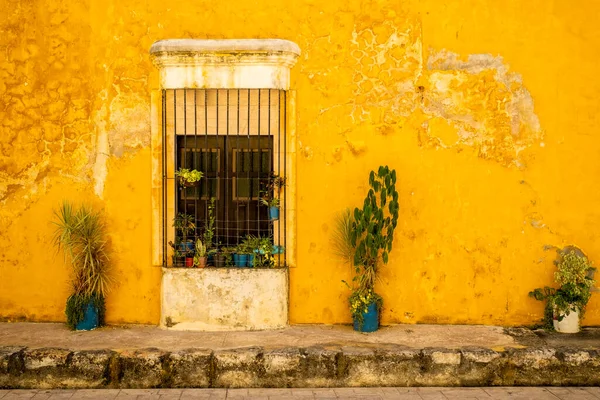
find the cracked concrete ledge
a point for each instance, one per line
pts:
(316, 366)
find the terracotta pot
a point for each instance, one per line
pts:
(202, 262)
(189, 262)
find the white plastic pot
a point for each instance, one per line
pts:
(569, 323)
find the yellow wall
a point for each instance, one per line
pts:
(487, 110)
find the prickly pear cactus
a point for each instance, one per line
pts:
(374, 224)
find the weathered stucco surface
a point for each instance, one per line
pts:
(224, 299)
(486, 109)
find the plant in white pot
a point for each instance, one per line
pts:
(565, 306)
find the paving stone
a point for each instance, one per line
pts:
(95, 393)
(204, 394)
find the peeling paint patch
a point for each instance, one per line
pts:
(486, 105)
(388, 62)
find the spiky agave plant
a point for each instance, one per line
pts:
(341, 240)
(80, 234)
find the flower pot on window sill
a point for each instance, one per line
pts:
(189, 262)
(273, 213)
(240, 260)
(250, 263)
(568, 323)
(220, 260)
(201, 262)
(370, 322)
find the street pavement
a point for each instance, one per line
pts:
(499, 393)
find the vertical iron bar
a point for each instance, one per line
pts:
(259, 154)
(164, 177)
(184, 165)
(225, 142)
(204, 153)
(237, 138)
(195, 153)
(285, 175)
(248, 172)
(217, 128)
(176, 194)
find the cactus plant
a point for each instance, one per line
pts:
(374, 224)
(371, 236)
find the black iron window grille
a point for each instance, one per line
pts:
(224, 177)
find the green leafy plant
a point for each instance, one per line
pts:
(271, 192)
(209, 224)
(200, 252)
(81, 235)
(574, 275)
(188, 177)
(370, 233)
(270, 201)
(185, 224)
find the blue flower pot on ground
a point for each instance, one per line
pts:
(370, 320)
(273, 213)
(90, 318)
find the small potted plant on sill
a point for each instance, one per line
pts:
(178, 256)
(364, 239)
(241, 256)
(566, 305)
(189, 259)
(81, 235)
(188, 178)
(271, 194)
(223, 257)
(185, 227)
(200, 256)
(273, 204)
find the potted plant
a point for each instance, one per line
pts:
(223, 257)
(209, 231)
(185, 226)
(241, 257)
(188, 178)
(178, 256)
(273, 204)
(189, 258)
(265, 251)
(200, 256)
(566, 305)
(365, 239)
(271, 194)
(81, 235)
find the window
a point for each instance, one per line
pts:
(235, 137)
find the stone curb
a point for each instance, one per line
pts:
(319, 366)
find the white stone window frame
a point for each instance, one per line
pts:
(221, 64)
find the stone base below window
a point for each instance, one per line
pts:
(224, 299)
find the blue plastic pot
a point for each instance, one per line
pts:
(273, 213)
(90, 318)
(188, 245)
(240, 260)
(250, 263)
(370, 320)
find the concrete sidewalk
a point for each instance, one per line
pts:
(50, 356)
